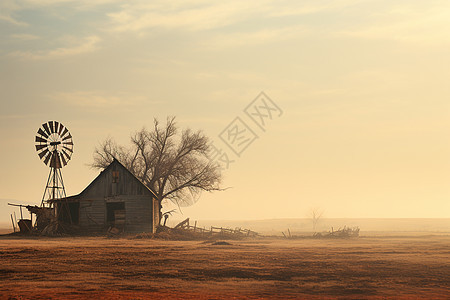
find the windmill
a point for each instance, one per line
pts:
(54, 146)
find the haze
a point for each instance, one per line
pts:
(363, 87)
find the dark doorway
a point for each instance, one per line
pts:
(74, 208)
(69, 212)
(115, 213)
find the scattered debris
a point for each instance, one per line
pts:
(215, 231)
(167, 214)
(24, 225)
(44, 216)
(346, 232)
(58, 228)
(47, 224)
(288, 235)
(114, 231)
(183, 231)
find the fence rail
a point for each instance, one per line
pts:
(213, 230)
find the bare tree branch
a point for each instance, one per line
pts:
(315, 214)
(177, 168)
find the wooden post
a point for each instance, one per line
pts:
(289, 232)
(195, 226)
(12, 221)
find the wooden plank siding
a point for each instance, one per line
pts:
(92, 214)
(127, 184)
(116, 184)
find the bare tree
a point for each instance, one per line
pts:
(175, 167)
(315, 215)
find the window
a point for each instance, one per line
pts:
(115, 175)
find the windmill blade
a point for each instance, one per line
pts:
(45, 125)
(56, 126)
(41, 132)
(67, 137)
(42, 154)
(39, 147)
(67, 148)
(47, 158)
(66, 154)
(52, 129)
(63, 159)
(40, 140)
(64, 132)
(68, 143)
(61, 127)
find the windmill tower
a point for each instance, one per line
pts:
(54, 146)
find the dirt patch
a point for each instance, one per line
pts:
(5, 273)
(221, 243)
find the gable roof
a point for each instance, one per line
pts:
(115, 161)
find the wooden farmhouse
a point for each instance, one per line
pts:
(116, 198)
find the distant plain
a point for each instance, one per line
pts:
(370, 267)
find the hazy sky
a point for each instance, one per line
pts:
(363, 86)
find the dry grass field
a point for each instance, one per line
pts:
(127, 268)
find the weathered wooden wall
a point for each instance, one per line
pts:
(139, 201)
(127, 184)
(92, 213)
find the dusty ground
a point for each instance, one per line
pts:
(364, 268)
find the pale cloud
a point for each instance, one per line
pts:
(7, 10)
(78, 46)
(95, 99)
(257, 37)
(200, 15)
(205, 15)
(82, 5)
(24, 37)
(10, 19)
(298, 8)
(10, 117)
(27, 4)
(426, 24)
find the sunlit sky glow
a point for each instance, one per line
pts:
(363, 86)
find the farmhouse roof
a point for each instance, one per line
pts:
(115, 161)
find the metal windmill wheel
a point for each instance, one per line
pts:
(54, 144)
